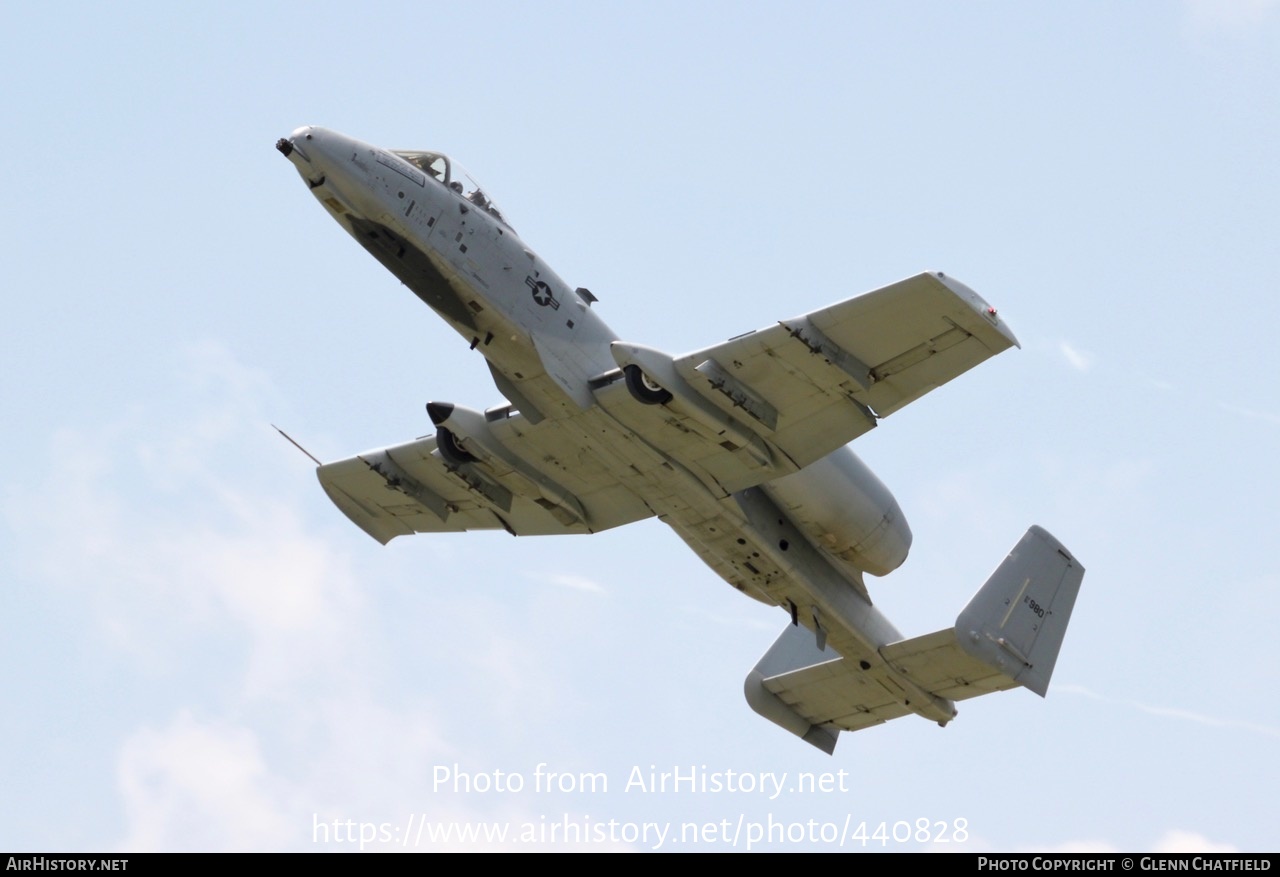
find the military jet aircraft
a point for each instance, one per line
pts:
(739, 447)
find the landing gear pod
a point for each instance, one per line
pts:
(643, 388)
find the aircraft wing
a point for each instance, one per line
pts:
(409, 488)
(811, 384)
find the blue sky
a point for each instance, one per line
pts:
(203, 654)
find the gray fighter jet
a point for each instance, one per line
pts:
(739, 447)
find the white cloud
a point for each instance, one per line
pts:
(1174, 712)
(1079, 360)
(1075, 847)
(193, 567)
(141, 519)
(575, 583)
(1172, 842)
(199, 786)
(210, 786)
(1177, 841)
(1234, 16)
(1250, 413)
(738, 621)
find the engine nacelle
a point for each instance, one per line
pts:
(463, 435)
(845, 510)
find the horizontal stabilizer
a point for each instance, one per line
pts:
(1009, 634)
(795, 650)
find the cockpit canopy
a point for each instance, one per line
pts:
(444, 170)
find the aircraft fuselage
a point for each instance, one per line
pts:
(599, 432)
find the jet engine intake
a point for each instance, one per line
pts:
(463, 436)
(451, 449)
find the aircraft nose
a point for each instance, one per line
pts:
(330, 160)
(321, 148)
(297, 149)
(301, 138)
(317, 153)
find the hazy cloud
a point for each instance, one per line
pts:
(194, 566)
(1171, 842)
(1079, 360)
(167, 548)
(1177, 841)
(1250, 413)
(573, 582)
(1174, 841)
(199, 786)
(1175, 712)
(1234, 16)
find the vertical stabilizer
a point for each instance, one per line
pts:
(1017, 620)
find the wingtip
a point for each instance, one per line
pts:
(980, 305)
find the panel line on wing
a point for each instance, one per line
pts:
(835, 356)
(918, 354)
(739, 394)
